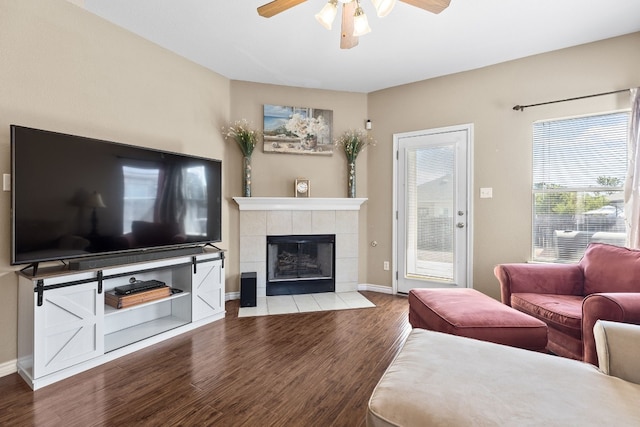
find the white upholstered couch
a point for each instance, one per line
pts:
(446, 380)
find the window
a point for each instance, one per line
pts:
(579, 167)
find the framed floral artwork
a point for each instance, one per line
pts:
(297, 130)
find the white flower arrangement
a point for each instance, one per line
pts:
(353, 142)
(242, 132)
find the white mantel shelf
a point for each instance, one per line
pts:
(299, 203)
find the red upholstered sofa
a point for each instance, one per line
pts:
(569, 298)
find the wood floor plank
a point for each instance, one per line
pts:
(302, 369)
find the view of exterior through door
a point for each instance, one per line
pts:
(432, 203)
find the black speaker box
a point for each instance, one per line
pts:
(248, 284)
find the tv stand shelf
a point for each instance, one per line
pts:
(109, 310)
(65, 327)
(140, 332)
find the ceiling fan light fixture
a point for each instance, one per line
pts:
(354, 21)
(328, 14)
(383, 7)
(360, 22)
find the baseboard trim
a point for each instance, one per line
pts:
(228, 296)
(8, 368)
(375, 288)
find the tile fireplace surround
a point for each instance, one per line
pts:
(281, 216)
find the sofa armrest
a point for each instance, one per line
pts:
(618, 346)
(562, 279)
(621, 307)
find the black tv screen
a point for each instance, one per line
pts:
(75, 197)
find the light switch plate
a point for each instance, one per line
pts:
(6, 182)
(486, 193)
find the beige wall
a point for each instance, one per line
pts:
(502, 145)
(273, 175)
(66, 70)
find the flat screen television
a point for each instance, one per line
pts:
(75, 197)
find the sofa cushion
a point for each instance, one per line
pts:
(609, 268)
(561, 312)
(444, 380)
(618, 346)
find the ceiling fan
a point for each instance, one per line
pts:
(354, 21)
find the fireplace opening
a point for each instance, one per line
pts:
(300, 264)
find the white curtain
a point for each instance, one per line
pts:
(632, 182)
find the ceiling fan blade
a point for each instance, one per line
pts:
(347, 39)
(433, 6)
(276, 6)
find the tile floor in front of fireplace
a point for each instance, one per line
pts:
(304, 303)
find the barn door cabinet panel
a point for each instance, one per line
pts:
(208, 287)
(67, 324)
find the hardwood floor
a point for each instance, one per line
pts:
(312, 369)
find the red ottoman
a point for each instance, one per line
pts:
(469, 313)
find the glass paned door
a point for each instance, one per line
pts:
(432, 226)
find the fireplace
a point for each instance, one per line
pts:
(300, 264)
(284, 216)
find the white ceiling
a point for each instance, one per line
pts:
(410, 44)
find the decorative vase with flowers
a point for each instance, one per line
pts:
(353, 142)
(247, 138)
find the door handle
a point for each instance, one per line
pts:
(460, 225)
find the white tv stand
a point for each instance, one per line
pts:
(64, 326)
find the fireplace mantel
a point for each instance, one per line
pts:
(298, 203)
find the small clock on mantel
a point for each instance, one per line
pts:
(302, 187)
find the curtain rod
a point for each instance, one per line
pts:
(522, 107)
